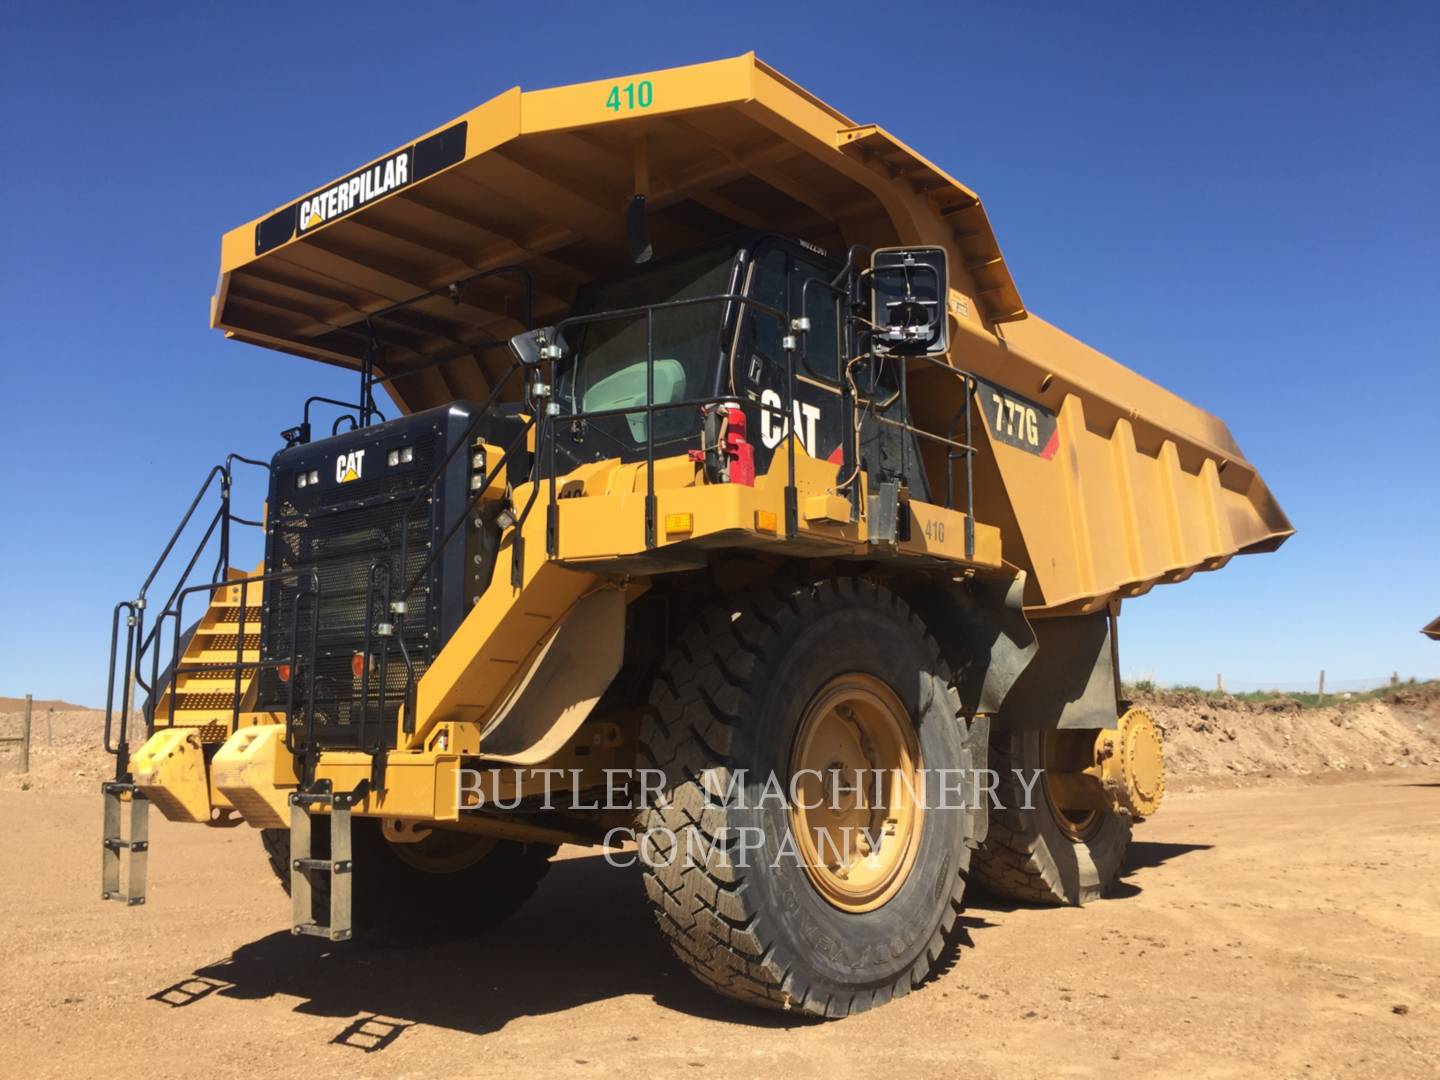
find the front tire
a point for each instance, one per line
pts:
(842, 670)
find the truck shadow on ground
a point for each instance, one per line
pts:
(585, 936)
(1148, 854)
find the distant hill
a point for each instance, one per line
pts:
(17, 704)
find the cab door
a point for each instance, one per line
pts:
(819, 414)
(758, 371)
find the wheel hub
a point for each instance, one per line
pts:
(857, 804)
(1119, 770)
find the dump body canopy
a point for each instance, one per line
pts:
(1432, 629)
(1143, 487)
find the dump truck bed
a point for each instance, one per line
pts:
(1133, 488)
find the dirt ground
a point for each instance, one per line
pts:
(1290, 927)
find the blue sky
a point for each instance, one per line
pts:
(1237, 200)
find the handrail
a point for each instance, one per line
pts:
(399, 608)
(545, 417)
(426, 489)
(648, 311)
(454, 291)
(543, 422)
(308, 577)
(365, 409)
(138, 643)
(795, 334)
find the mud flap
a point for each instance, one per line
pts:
(981, 627)
(1072, 682)
(977, 808)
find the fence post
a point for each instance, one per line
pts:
(25, 738)
(1322, 684)
(1219, 683)
(1395, 679)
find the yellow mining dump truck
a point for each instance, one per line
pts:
(728, 499)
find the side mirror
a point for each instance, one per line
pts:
(533, 347)
(908, 289)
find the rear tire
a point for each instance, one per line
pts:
(743, 681)
(448, 885)
(1033, 854)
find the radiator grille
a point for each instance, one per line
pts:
(339, 542)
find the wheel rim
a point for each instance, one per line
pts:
(858, 842)
(1077, 825)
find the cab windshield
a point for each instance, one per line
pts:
(607, 367)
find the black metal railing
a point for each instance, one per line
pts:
(545, 417)
(386, 600)
(579, 415)
(142, 645)
(364, 412)
(308, 588)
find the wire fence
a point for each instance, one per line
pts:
(1321, 684)
(22, 740)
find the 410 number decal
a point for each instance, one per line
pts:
(631, 96)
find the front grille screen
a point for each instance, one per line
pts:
(339, 543)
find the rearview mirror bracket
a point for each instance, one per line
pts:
(909, 287)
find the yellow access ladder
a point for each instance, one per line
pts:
(207, 699)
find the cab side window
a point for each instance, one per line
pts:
(821, 305)
(767, 286)
(778, 281)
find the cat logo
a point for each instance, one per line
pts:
(355, 191)
(775, 428)
(349, 466)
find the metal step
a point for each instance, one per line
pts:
(304, 868)
(124, 879)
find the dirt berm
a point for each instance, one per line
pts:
(1214, 740)
(1210, 740)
